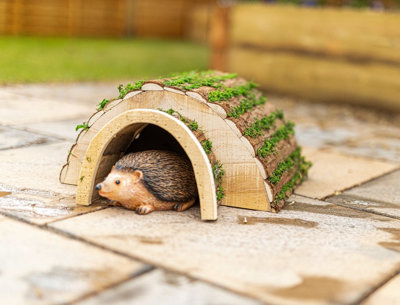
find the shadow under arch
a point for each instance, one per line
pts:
(125, 126)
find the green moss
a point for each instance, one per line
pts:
(246, 104)
(218, 172)
(193, 80)
(102, 104)
(288, 164)
(227, 93)
(193, 125)
(207, 145)
(169, 111)
(83, 126)
(217, 169)
(220, 193)
(129, 87)
(283, 133)
(265, 123)
(299, 176)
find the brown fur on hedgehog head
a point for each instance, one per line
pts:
(118, 185)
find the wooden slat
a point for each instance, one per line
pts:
(347, 33)
(159, 18)
(66, 17)
(162, 18)
(198, 23)
(320, 79)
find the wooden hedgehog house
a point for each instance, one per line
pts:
(242, 150)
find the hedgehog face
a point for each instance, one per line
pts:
(119, 185)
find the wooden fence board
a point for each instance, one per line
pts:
(99, 18)
(198, 23)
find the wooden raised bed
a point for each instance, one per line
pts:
(242, 150)
(321, 54)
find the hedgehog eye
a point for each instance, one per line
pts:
(117, 182)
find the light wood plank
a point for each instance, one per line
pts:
(348, 33)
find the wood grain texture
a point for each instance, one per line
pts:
(197, 156)
(320, 79)
(245, 172)
(243, 181)
(320, 54)
(347, 33)
(118, 18)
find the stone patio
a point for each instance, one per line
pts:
(336, 242)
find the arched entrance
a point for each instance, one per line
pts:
(110, 143)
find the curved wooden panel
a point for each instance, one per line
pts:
(127, 123)
(243, 182)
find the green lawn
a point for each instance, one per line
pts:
(33, 59)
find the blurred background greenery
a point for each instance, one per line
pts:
(322, 50)
(86, 40)
(45, 59)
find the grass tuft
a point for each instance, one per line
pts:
(83, 126)
(129, 87)
(102, 104)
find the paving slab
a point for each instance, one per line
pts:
(348, 129)
(334, 172)
(312, 252)
(90, 93)
(381, 195)
(14, 138)
(388, 294)
(368, 141)
(167, 288)
(40, 267)
(35, 167)
(17, 109)
(64, 129)
(40, 207)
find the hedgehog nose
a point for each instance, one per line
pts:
(98, 187)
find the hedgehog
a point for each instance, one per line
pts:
(151, 180)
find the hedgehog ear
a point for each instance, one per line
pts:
(112, 168)
(138, 174)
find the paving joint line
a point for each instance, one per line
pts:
(359, 184)
(35, 132)
(64, 234)
(142, 271)
(365, 210)
(369, 293)
(131, 257)
(31, 145)
(148, 263)
(353, 207)
(76, 215)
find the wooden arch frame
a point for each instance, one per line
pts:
(134, 119)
